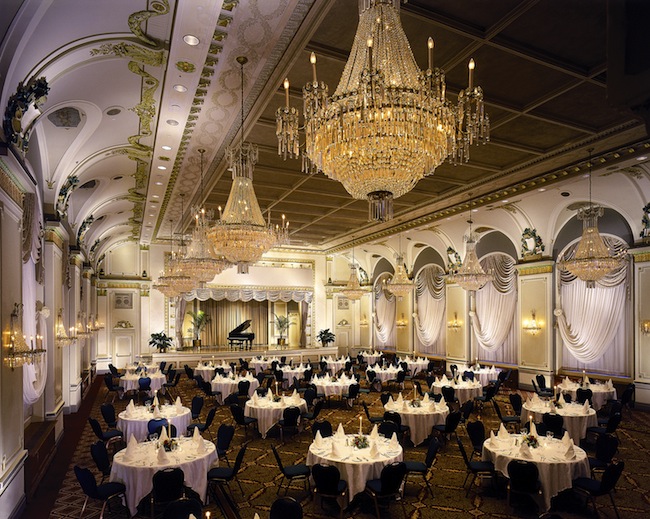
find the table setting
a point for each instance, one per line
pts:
(385, 373)
(335, 365)
(230, 384)
(601, 392)
(130, 381)
(262, 363)
(333, 386)
(481, 373)
(206, 369)
(464, 390)
(415, 365)
(419, 415)
(268, 409)
(371, 357)
(134, 419)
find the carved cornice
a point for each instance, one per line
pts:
(10, 185)
(531, 269)
(54, 236)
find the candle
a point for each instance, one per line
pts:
(207, 515)
(369, 43)
(312, 60)
(286, 91)
(169, 430)
(471, 73)
(360, 425)
(430, 47)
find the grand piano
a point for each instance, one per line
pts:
(239, 337)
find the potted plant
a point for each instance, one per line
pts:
(160, 341)
(325, 337)
(282, 324)
(199, 320)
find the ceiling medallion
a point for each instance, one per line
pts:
(388, 124)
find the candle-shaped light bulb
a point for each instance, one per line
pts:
(220, 215)
(430, 52)
(369, 42)
(471, 67)
(207, 515)
(312, 60)
(286, 91)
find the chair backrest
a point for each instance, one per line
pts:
(554, 423)
(243, 386)
(97, 429)
(310, 396)
(324, 426)
(144, 383)
(182, 508)
(418, 387)
(225, 434)
(524, 476)
(279, 375)
(613, 423)
(497, 409)
(610, 476)
(87, 482)
(463, 453)
(541, 381)
(318, 408)
(371, 375)
(108, 413)
(108, 381)
(516, 402)
(231, 399)
(535, 388)
(237, 413)
(277, 458)
(196, 406)
(476, 433)
(291, 415)
(353, 391)
(99, 454)
(239, 459)
(606, 447)
(388, 428)
(154, 423)
(391, 478)
(453, 368)
(326, 479)
(285, 508)
(307, 374)
(401, 376)
(171, 430)
(467, 409)
(583, 394)
(385, 397)
(393, 416)
(432, 452)
(162, 365)
(210, 418)
(113, 370)
(452, 421)
(628, 394)
(468, 375)
(167, 484)
(366, 410)
(448, 393)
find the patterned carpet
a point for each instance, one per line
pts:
(260, 476)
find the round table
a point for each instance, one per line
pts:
(385, 374)
(576, 420)
(137, 472)
(289, 373)
(329, 387)
(370, 357)
(335, 365)
(600, 392)
(464, 390)
(136, 423)
(415, 365)
(483, 375)
(228, 385)
(131, 369)
(420, 419)
(355, 465)
(130, 382)
(268, 413)
(556, 472)
(262, 364)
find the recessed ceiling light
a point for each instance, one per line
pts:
(475, 210)
(172, 122)
(166, 147)
(541, 189)
(156, 196)
(190, 39)
(643, 157)
(180, 88)
(504, 201)
(151, 214)
(175, 108)
(159, 183)
(117, 177)
(163, 168)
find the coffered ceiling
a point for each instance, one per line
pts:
(131, 102)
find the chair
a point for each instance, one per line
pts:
(309, 395)
(207, 391)
(612, 424)
(108, 413)
(109, 437)
(114, 371)
(507, 420)
(392, 416)
(387, 428)
(610, 408)
(476, 433)
(224, 475)
(225, 434)
(584, 394)
(111, 387)
(205, 426)
(312, 415)
(103, 492)
(233, 399)
(300, 472)
(420, 468)
(189, 372)
(371, 419)
(468, 375)
(628, 397)
(328, 483)
(387, 487)
(240, 419)
(385, 397)
(523, 479)
(449, 427)
(449, 394)
(243, 387)
(324, 427)
(285, 508)
(418, 388)
(453, 368)
(466, 411)
(171, 430)
(554, 423)
(196, 406)
(170, 387)
(606, 447)
(144, 387)
(475, 468)
(167, 487)
(290, 420)
(541, 392)
(398, 380)
(162, 366)
(517, 403)
(351, 394)
(155, 423)
(99, 454)
(593, 488)
(487, 396)
(182, 508)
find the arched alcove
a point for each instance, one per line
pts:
(495, 241)
(383, 265)
(428, 256)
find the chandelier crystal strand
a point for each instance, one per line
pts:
(353, 290)
(470, 275)
(241, 234)
(388, 124)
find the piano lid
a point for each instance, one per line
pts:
(243, 326)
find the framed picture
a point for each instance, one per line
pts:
(343, 303)
(123, 301)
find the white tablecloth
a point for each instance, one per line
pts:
(332, 388)
(144, 368)
(600, 393)
(420, 419)
(290, 372)
(385, 374)
(130, 382)
(464, 390)
(136, 423)
(556, 473)
(334, 365)
(227, 386)
(576, 420)
(371, 357)
(483, 375)
(137, 472)
(262, 364)
(415, 365)
(355, 465)
(269, 413)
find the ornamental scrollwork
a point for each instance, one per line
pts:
(453, 260)
(33, 94)
(531, 243)
(83, 229)
(63, 200)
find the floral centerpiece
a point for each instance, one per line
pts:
(416, 403)
(170, 444)
(360, 441)
(531, 440)
(277, 398)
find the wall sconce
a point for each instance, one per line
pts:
(402, 322)
(364, 321)
(61, 338)
(645, 327)
(454, 325)
(83, 328)
(532, 327)
(18, 352)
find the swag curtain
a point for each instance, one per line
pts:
(384, 315)
(592, 321)
(34, 323)
(431, 307)
(493, 320)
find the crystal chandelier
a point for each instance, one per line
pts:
(241, 234)
(83, 331)
(199, 262)
(388, 124)
(592, 259)
(61, 337)
(18, 351)
(353, 290)
(470, 275)
(173, 281)
(400, 285)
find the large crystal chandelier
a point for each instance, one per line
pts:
(388, 124)
(400, 285)
(201, 262)
(174, 281)
(470, 275)
(592, 259)
(353, 290)
(241, 234)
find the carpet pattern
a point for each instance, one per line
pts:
(260, 476)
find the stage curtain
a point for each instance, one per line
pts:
(227, 315)
(430, 311)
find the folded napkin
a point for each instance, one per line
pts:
(163, 435)
(536, 399)
(586, 406)
(192, 516)
(533, 429)
(492, 439)
(561, 400)
(391, 401)
(400, 398)
(318, 440)
(155, 401)
(340, 433)
(503, 433)
(551, 406)
(256, 516)
(254, 398)
(432, 406)
(425, 398)
(130, 408)
(585, 379)
(200, 447)
(232, 376)
(570, 452)
(567, 381)
(609, 385)
(196, 436)
(393, 444)
(163, 459)
(374, 451)
(336, 450)
(156, 413)
(327, 377)
(404, 406)
(566, 439)
(443, 380)
(269, 395)
(524, 451)
(374, 434)
(178, 402)
(130, 448)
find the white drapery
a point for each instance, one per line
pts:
(34, 323)
(384, 315)
(496, 303)
(248, 294)
(431, 307)
(592, 321)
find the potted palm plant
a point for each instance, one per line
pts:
(199, 320)
(160, 341)
(282, 324)
(325, 337)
